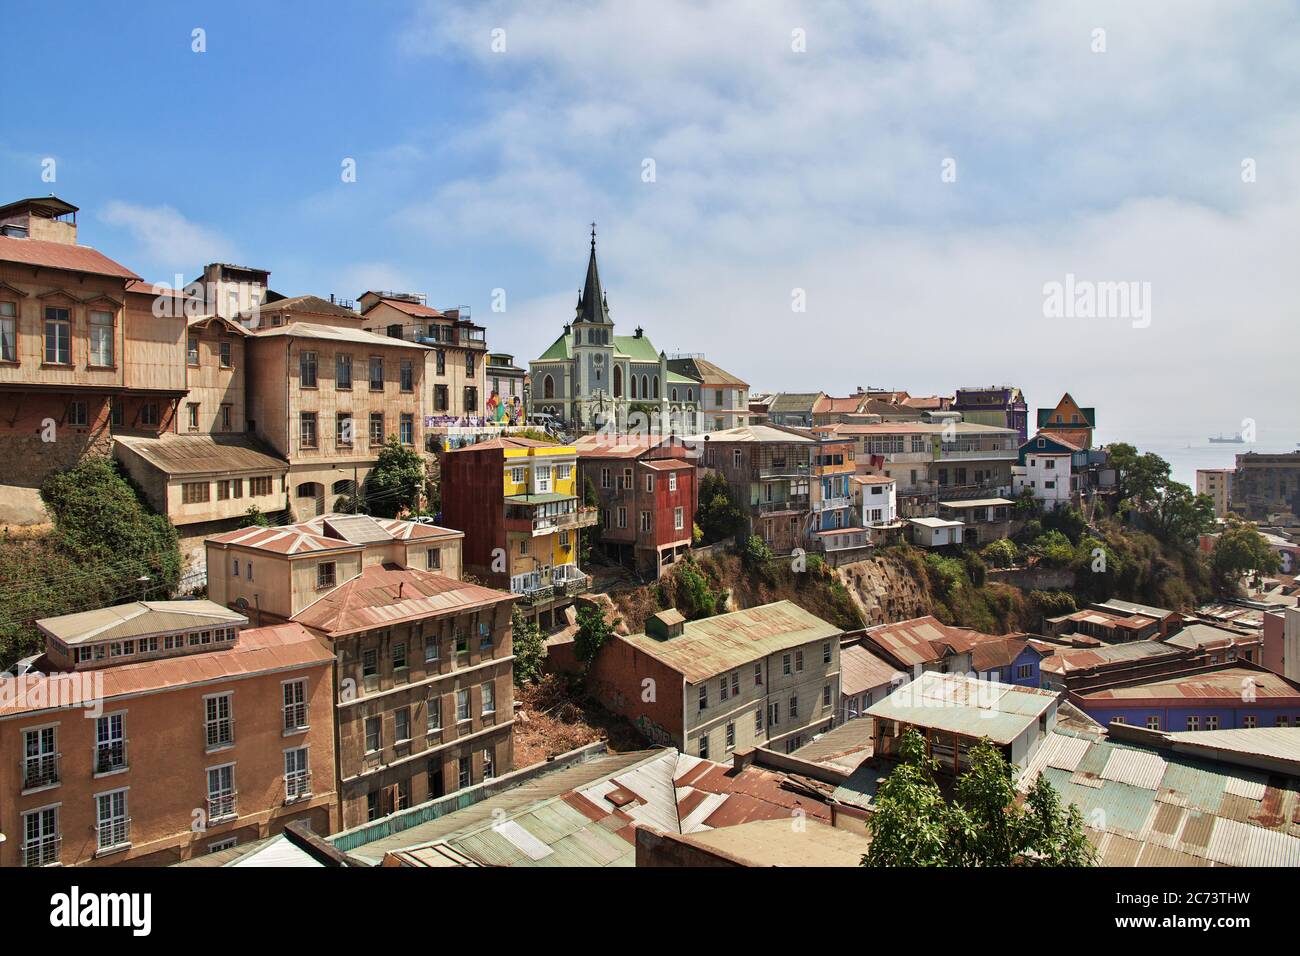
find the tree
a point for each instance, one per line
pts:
(1181, 516)
(718, 515)
(1240, 549)
(756, 554)
(529, 646)
(254, 517)
(594, 631)
(983, 825)
(1000, 553)
(1053, 548)
(1140, 476)
(397, 481)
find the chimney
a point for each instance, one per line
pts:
(638, 332)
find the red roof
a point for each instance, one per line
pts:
(257, 650)
(61, 255)
(413, 308)
(154, 288)
(384, 595)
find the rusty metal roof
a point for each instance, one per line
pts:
(861, 670)
(710, 646)
(965, 705)
(61, 255)
(222, 455)
(1216, 682)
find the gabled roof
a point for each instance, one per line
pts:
(410, 308)
(705, 372)
(138, 619)
(794, 402)
(330, 333)
(382, 595)
(309, 304)
(861, 670)
(61, 255)
(1002, 652)
(1089, 414)
(921, 640)
(759, 433)
(203, 454)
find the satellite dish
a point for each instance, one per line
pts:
(241, 603)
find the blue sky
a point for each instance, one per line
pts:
(776, 169)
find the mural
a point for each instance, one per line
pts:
(509, 411)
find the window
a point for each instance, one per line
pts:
(225, 418)
(489, 698)
(193, 492)
(406, 376)
(407, 426)
(441, 402)
(1250, 722)
(376, 373)
(517, 475)
(774, 713)
(373, 809)
(622, 517)
(225, 355)
(786, 669)
(430, 648)
(259, 486)
(223, 491)
(40, 758)
(672, 481)
(325, 574)
(542, 477)
(645, 523)
(1153, 723)
(192, 351)
(1212, 722)
(1282, 721)
(374, 734)
(794, 707)
(462, 704)
(433, 559)
(758, 675)
(826, 695)
(58, 337)
(731, 736)
(192, 415)
(295, 704)
(110, 744)
(399, 656)
(221, 792)
(442, 361)
(464, 773)
(297, 778)
(42, 841)
(343, 372)
(704, 697)
(735, 683)
(679, 519)
(471, 399)
(758, 721)
(101, 339)
(1024, 671)
(722, 687)
(433, 720)
(343, 428)
(469, 363)
(489, 770)
(650, 483)
(78, 414)
(826, 652)
(306, 369)
(402, 724)
(8, 332)
(605, 481)
(704, 746)
(218, 722)
(376, 429)
(307, 429)
(1193, 723)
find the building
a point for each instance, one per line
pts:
(1000, 405)
(935, 532)
(724, 398)
(982, 519)
(794, 409)
(934, 461)
(647, 495)
(1106, 626)
(1045, 471)
(766, 676)
(865, 677)
(923, 643)
(507, 390)
(836, 523)
(769, 472)
(1012, 659)
(1266, 484)
(1069, 421)
(424, 697)
(455, 395)
(591, 378)
(517, 500)
(875, 498)
(275, 573)
(1216, 484)
(1224, 696)
(160, 730)
(325, 398)
(83, 354)
(1280, 637)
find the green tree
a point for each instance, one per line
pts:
(718, 515)
(529, 646)
(1000, 553)
(1239, 550)
(695, 598)
(254, 517)
(1140, 476)
(1053, 548)
(984, 825)
(756, 554)
(594, 631)
(397, 481)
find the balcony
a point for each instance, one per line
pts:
(42, 852)
(297, 785)
(114, 835)
(219, 733)
(41, 770)
(797, 503)
(781, 469)
(986, 454)
(109, 757)
(548, 513)
(832, 504)
(221, 806)
(538, 587)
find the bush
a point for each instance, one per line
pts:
(398, 480)
(693, 594)
(1000, 553)
(529, 647)
(718, 515)
(1053, 603)
(756, 554)
(1053, 548)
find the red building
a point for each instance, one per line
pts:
(648, 492)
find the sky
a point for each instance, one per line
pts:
(815, 195)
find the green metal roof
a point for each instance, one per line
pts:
(544, 499)
(638, 349)
(561, 348)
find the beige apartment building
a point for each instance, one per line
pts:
(424, 691)
(325, 398)
(455, 376)
(1215, 483)
(766, 676)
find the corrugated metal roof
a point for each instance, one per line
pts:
(861, 670)
(203, 454)
(61, 255)
(961, 704)
(713, 645)
(138, 619)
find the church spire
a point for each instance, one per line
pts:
(592, 305)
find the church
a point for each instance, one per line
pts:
(591, 378)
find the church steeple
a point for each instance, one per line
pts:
(592, 304)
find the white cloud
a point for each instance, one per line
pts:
(168, 242)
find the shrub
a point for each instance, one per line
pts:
(1000, 553)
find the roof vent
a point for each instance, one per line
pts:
(665, 624)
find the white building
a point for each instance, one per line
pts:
(935, 532)
(1045, 470)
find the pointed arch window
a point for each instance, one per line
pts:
(618, 381)
(548, 387)
(656, 384)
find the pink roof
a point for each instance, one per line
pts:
(290, 539)
(861, 670)
(413, 308)
(60, 255)
(257, 650)
(922, 640)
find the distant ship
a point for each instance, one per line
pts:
(1227, 440)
